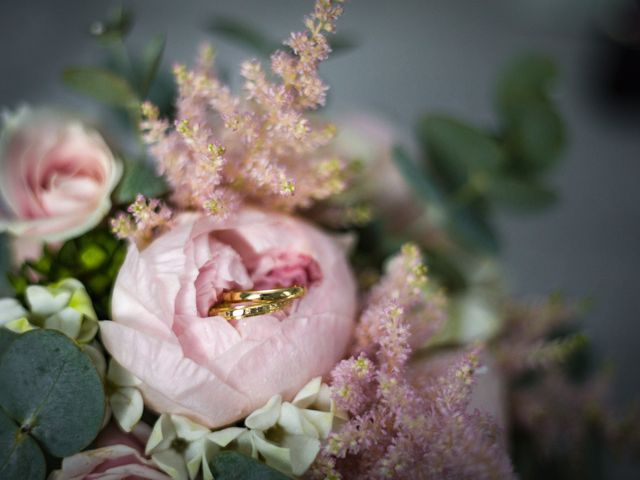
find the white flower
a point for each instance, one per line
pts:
(13, 316)
(125, 400)
(63, 306)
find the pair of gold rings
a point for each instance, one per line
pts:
(239, 304)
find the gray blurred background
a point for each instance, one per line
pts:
(416, 56)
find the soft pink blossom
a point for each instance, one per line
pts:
(56, 176)
(207, 368)
(118, 456)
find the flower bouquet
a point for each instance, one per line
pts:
(240, 286)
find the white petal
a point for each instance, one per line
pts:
(266, 417)
(308, 394)
(294, 422)
(188, 429)
(172, 463)
(120, 376)
(67, 320)
(127, 406)
(43, 302)
(10, 309)
(276, 457)
(226, 436)
(96, 355)
(162, 435)
(303, 451)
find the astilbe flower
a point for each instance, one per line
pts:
(145, 218)
(398, 428)
(559, 412)
(261, 146)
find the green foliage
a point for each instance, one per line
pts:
(533, 130)
(51, 397)
(139, 177)
(252, 38)
(20, 456)
(102, 85)
(459, 151)
(93, 258)
(471, 171)
(235, 466)
(150, 61)
(115, 28)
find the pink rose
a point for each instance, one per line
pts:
(209, 369)
(56, 176)
(118, 456)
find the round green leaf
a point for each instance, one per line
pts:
(527, 76)
(20, 456)
(50, 388)
(535, 134)
(520, 195)
(456, 150)
(236, 466)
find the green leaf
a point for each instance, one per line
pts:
(457, 150)
(20, 456)
(151, 59)
(474, 230)
(235, 466)
(139, 177)
(6, 337)
(535, 134)
(534, 131)
(527, 76)
(101, 85)
(519, 194)
(50, 388)
(116, 27)
(415, 177)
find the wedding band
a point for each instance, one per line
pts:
(236, 312)
(264, 296)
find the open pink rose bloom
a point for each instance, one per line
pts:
(208, 368)
(56, 176)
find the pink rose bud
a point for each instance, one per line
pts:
(207, 368)
(56, 176)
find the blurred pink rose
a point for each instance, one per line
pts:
(207, 368)
(118, 456)
(370, 140)
(56, 176)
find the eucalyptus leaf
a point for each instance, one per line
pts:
(415, 177)
(101, 85)
(139, 178)
(20, 456)
(474, 230)
(520, 195)
(535, 135)
(115, 28)
(6, 337)
(50, 388)
(236, 466)
(457, 150)
(151, 59)
(527, 76)
(533, 129)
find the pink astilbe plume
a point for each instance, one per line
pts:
(399, 428)
(145, 218)
(261, 146)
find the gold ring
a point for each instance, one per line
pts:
(264, 296)
(236, 312)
